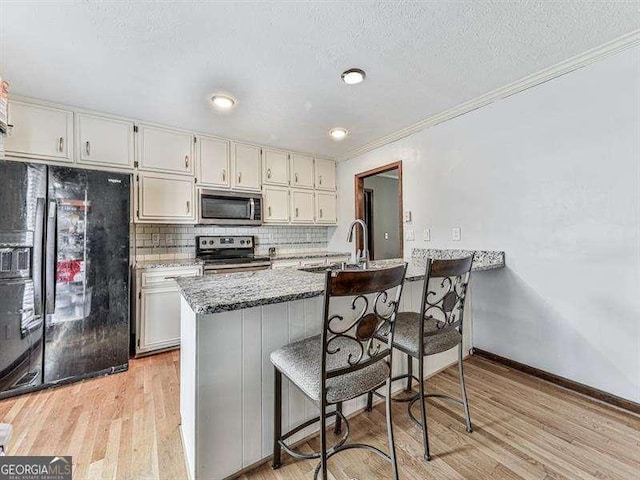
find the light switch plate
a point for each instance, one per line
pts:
(455, 234)
(407, 216)
(426, 235)
(386, 235)
(410, 235)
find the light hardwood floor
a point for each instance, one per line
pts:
(126, 426)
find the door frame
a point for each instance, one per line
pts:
(359, 197)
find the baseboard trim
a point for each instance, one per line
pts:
(594, 393)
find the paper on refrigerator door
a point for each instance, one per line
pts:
(4, 98)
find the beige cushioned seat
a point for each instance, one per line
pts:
(408, 330)
(301, 361)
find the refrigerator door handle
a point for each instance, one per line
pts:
(37, 257)
(52, 253)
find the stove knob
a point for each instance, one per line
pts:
(241, 242)
(203, 242)
(210, 242)
(248, 243)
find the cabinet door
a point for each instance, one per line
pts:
(104, 141)
(247, 167)
(325, 174)
(39, 132)
(301, 171)
(165, 197)
(326, 208)
(165, 150)
(160, 318)
(302, 206)
(275, 167)
(213, 162)
(276, 205)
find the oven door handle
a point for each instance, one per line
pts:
(252, 209)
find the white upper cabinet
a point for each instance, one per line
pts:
(214, 163)
(39, 132)
(166, 198)
(301, 171)
(302, 206)
(247, 161)
(325, 174)
(326, 208)
(275, 167)
(104, 141)
(165, 150)
(276, 205)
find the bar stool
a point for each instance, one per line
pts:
(345, 361)
(436, 329)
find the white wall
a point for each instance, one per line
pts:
(552, 177)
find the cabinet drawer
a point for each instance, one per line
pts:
(165, 277)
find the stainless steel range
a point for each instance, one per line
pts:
(229, 254)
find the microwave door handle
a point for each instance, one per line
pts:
(52, 234)
(252, 209)
(37, 257)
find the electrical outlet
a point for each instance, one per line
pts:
(455, 234)
(407, 216)
(410, 236)
(426, 235)
(386, 235)
(155, 238)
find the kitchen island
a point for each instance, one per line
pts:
(229, 326)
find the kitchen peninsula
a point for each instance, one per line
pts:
(229, 326)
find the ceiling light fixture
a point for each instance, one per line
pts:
(223, 102)
(353, 76)
(338, 133)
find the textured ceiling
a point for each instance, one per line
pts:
(282, 60)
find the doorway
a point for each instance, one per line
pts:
(378, 194)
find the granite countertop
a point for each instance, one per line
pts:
(295, 255)
(168, 263)
(235, 291)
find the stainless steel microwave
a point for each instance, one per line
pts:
(220, 207)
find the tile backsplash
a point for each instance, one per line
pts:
(153, 242)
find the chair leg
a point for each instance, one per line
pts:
(337, 429)
(410, 372)
(392, 445)
(423, 409)
(323, 439)
(369, 401)
(463, 390)
(277, 419)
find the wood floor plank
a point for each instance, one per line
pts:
(126, 426)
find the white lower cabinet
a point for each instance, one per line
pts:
(165, 198)
(158, 322)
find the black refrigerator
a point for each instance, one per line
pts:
(64, 274)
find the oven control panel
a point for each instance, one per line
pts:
(231, 242)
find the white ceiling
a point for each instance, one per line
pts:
(161, 62)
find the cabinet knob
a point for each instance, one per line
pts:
(296, 177)
(224, 175)
(188, 206)
(87, 148)
(320, 179)
(296, 212)
(269, 211)
(239, 177)
(320, 213)
(268, 173)
(186, 161)
(61, 144)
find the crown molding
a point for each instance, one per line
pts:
(579, 61)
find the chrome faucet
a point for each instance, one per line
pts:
(362, 257)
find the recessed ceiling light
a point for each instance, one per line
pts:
(338, 133)
(224, 102)
(353, 76)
